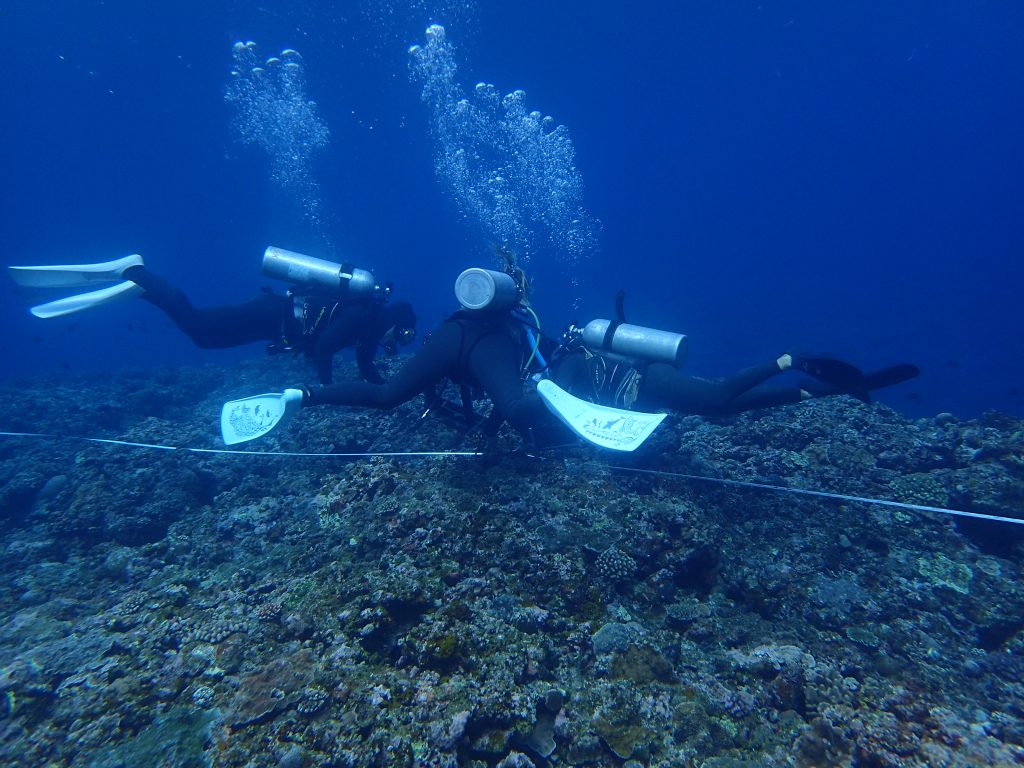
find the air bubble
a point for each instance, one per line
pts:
(513, 99)
(273, 113)
(510, 171)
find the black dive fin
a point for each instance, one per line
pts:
(884, 377)
(895, 374)
(841, 376)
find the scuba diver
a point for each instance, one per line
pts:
(333, 306)
(601, 380)
(629, 366)
(489, 345)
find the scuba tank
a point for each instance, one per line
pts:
(479, 289)
(485, 289)
(634, 341)
(617, 337)
(311, 272)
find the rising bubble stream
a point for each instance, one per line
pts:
(510, 170)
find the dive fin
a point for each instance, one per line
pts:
(884, 377)
(598, 424)
(89, 300)
(73, 275)
(845, 378)
(252, 417)
(895, 374)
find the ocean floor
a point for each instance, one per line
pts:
(174, 608)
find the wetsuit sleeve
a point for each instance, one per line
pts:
(217, 327)
(665, 387)
(435, 360)
(342, 332)
(366, 351)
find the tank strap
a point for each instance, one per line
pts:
(620, 318)
(606, 341)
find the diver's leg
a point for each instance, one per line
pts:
(766, 398)
(219, 327)
(663, 386)
(494, 361)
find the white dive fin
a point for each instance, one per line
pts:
(252, 417)
(605, 427)
(87, 300)
(73, 275)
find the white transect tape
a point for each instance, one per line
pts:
(240, 453)
(822, 494)
(606, 467)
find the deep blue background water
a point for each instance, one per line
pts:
(834, 177)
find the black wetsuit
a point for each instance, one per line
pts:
(655, 386)
(320, 328)
(472, 348)
(623, 383)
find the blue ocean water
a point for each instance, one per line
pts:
(840, 178)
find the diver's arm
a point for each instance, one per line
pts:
(341, 332)
(366, 351)
(329, 341)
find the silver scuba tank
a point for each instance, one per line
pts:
(488, 289)
(635, 341)
(312, 272)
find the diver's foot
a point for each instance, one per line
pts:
(833, 377)
(74, 275)
(123, 265)
(82, 301)
(795, 360)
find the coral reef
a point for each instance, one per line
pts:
(176, 608)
